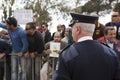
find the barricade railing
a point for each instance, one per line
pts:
(33, 67)
(52, 62)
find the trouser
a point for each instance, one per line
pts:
(44, 71)
(5, 68)
(8, 70)
(1, 70)
(33, 68)
(15, 62)
(48, 68)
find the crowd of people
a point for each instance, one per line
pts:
(87, 44)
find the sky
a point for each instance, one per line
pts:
(56, 21)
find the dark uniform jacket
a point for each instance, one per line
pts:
(88, 60)
(116, 45)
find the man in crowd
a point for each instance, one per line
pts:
(65, 39)
(5, 63)
(45, 33)
(19, 47)
(6, 48)
(115, 23)
(98, 32)
(86, 59)
(110, 40)
(36, 46)
(57, 38)
(4, 36)
(115, 19)
(59, 29)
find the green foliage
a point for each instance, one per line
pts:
(43, 8)
(97, 6)
(7, 8)
(117, 7)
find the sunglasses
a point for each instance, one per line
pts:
(27, 28)
(115, 15)
(43, 26)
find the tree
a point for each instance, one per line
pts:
(97, 6)
(117, 7)
(43, 8)
(7, 8)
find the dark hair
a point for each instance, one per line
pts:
(12, 21)
(108, 28)
(32, 25)
(45, 24)
(63, 26)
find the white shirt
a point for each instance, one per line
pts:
(85, 38)
(110, 44)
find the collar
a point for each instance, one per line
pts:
(109, 42)
(85, 38)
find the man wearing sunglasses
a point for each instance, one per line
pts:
(115, 22)
(114, 19)
(36, 47)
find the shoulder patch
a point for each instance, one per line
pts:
(69, 53)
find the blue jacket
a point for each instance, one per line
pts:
(88, 60)
(18, 39)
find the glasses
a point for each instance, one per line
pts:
(27, 29)
(43, 26)
(115, 15)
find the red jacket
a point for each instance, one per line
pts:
(103, 40)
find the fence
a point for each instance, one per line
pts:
(51, 66)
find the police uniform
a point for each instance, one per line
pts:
(87, 60)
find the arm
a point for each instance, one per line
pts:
(47, 48)
(24, 40)
(2, 25)
(40, 43)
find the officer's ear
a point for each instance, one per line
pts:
(78, 29)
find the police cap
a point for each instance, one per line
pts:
(76, 18)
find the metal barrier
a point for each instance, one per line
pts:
(3, 61)
(52, 62)
(33, 67)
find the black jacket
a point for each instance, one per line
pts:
(88, 60)
(36, 43)
(5, 48)
(47, 37)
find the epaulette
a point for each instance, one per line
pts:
(65, 48)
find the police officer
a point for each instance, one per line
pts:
(86, 59)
